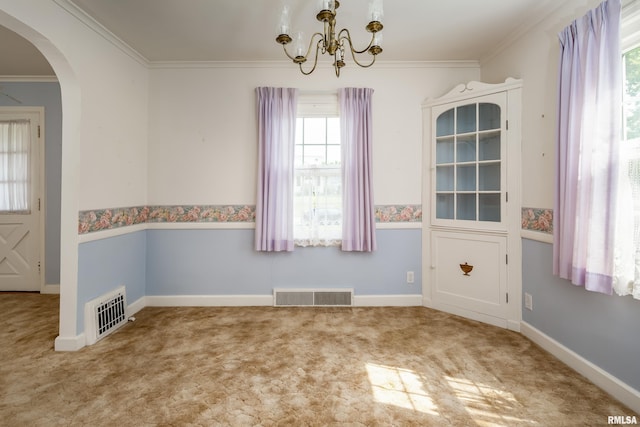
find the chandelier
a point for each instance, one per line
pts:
(328, 42)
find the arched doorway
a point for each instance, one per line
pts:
(71, 108)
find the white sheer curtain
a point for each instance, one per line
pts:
(589, 132)
(276, 142)
(627, 246)
(15, 148)
(358, 219)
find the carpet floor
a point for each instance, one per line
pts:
(265, 366)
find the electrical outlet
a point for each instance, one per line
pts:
(410, 277)
(528, 301)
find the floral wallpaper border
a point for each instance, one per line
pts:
(533, 219)
(107, 219)
(536, 219)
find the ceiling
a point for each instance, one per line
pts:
(245, 30)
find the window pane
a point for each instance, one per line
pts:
(334, 155)
(631, 105)
(315, 130)
(333, 130)
(318, 182)
(15, 191)
(315, 155)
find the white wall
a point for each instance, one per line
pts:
(533, 56)
(203, 131)
(113, 89)
(104, 127)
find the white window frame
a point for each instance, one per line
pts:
(317, 105)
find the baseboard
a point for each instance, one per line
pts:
(69, 343)
(612, 385)
(267, 300)
(208, 300)
(50, 289)
(387, 300)
(136, 306)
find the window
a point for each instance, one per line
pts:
(317, 209)
(15, 143)
(627, 257)
(630, 149)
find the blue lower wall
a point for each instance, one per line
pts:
(104, 265)
(223, 262)
(601, 328)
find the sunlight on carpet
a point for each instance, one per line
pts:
(485, 404)
(399, 387)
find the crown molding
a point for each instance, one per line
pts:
(70, 7)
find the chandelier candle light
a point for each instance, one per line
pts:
(328, 42)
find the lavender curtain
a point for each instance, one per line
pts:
(358, 215)
(276, 144)
(587, 151)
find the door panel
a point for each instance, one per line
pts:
(20, 231)
(481, 290)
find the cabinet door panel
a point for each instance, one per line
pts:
(483, 289)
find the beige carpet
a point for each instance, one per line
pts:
(286, 367)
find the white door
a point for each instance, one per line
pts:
(470, 274)
(20, 199)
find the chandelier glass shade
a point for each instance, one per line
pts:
(335, 44)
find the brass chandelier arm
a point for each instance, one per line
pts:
(363, 65)
(347, 37)
(315, 60)
(293, 58)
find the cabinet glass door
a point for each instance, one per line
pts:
(469, 163)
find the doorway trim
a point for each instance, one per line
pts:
(69, 337)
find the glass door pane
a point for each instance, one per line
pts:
(489, 115)
(444, 150)
(466, 149)
(489, 207)
(444, 178)
(466, 177)
(466, 207)
(444, 206)
(445, 123)
(489, 146)
(466, 120)
(489, 177)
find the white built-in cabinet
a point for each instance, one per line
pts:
(471, 198)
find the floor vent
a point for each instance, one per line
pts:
(104, 315)
(313, 297)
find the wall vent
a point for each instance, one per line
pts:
(312, 297)
(104, 315)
